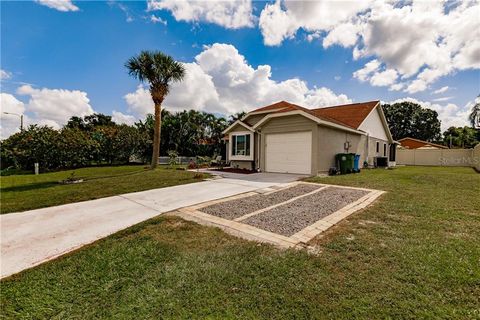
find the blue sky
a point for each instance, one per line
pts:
(59, 62)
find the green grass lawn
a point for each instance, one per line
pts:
(25, 192)
(415, 253)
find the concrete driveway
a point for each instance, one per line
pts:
(33, 237)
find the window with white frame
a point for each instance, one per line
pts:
(241, 145)
(384, 149)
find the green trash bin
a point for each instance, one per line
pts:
(351, 162)
(342, 162)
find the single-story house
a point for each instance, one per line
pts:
(412, 143)
(287, 138)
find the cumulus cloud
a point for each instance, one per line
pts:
(231, 14)
(60, 5)
(377, 77)
(222, 81)
(421, 41)
(121, 118)
(55, 106)
(449, 114)
(5, 74)
(10, 123)
(139, 102)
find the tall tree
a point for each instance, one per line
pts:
(159, 71)
(474, 115)
(408, 119)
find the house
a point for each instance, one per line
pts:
(412, 143)
(287, 138)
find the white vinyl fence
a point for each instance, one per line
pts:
(440, 157)
(476, 155)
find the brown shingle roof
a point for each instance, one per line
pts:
(412, 143)
(350, 115)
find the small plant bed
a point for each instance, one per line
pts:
(236, 170)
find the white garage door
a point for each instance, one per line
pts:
(289, 152)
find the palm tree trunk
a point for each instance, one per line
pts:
(156, 135)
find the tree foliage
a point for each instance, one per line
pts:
(96, 139)
(408, 119)
(461, 137)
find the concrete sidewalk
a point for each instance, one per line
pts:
(33, 237)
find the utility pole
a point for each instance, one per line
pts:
(18, 115)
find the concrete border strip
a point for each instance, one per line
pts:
(248, 215)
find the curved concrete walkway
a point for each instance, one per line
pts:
(33, 237)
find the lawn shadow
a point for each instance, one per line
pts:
(30, 186)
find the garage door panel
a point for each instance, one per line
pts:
(289, 152)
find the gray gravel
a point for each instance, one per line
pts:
(236, 208)
(292, 217)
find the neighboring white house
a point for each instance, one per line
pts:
(288, 138)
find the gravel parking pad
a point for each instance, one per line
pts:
(236, 208)
(292, 217)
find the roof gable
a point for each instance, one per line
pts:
(351, 115)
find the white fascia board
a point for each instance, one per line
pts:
(308, 116)
(240, 123)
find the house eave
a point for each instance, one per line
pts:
(308, 116)
(238, 122)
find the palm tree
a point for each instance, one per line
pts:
(159, 71)
(475, 114)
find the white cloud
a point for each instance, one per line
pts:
(122, 118)
(441, 90)
(10, 123)
(140, 102)
(156, 19)
(449, 114)
(377, 77)
(366, 72)
(282, 19)
(420, 40)
(231, 14)
(5, 74)
(55, 106)
(60, 5)
(443, 99)
(221, 80)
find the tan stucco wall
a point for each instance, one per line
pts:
(294, 123)
(331, 141)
